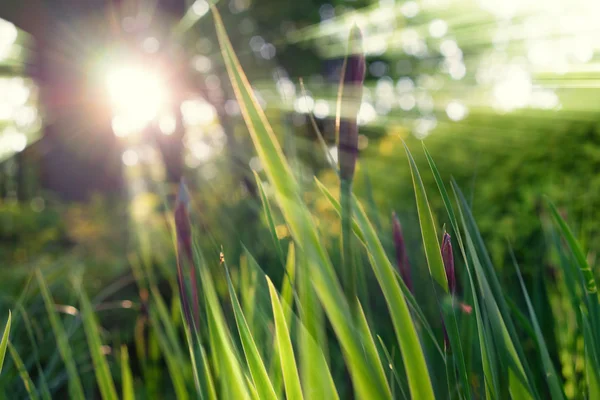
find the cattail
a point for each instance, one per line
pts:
(401, 256)
(350, 95)
(184, 251)
(448, 259)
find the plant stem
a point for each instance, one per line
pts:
(349, 268)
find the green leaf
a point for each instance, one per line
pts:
(126, 376)
(257, 368)
(92, 332)
(4, 342)
(552, 378)
(231, 375)
(269, 216)
(430, 239)
(586, 271)
(27, 382)
(300, 222)
(291, 379)
(62, 340)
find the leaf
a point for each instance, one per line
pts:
(126, 376)
(291, 379)
(4, 342)
(430, 239)
(27, 382)
(92, 332)
(300, 222)
(258, 371)
(62, 340)
(552, 378)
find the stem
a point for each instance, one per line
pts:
(349, 268)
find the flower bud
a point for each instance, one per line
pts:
(351, 88)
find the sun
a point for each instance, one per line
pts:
(137, 94)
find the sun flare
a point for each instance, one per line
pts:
(137, 95)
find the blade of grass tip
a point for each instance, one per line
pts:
(358, 231)
(287, 295)
(451, 317)
(390, 360)
(552, 378)
(299, 220)
(442, 189)
(231, 376)
(92, 332)
(490, 372)
(257, 368)
(27, 382)
(369, 342)
(588, 275)
(589, 281)
(412, 353)
(4, 342)
(485, 269)
(62, 341)
(291, 378)
(269, 216)
(427, 223)
(126, 375)
(519, 383)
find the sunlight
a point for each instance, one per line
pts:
(137, 95)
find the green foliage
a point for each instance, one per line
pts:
(307, 339)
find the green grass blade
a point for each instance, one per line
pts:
(449, 312)
(419, 381)
(405, 291)
(174, 364)
(315, 373)
(27, 382)
(430, 239)
(586, 271)
(231, 375)
(269, 216)
(92, 332)
(552, 378)
(128, 392)
(496, 293)
(4, 342)
(291, 379)
(62, 340)
(300, 222)
(258, 371)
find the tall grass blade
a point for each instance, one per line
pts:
(300, 222)
(4, 342)
(258, 371)
(128, 392)
(430, 239)
(291, 379)
(231, 375)
(269, 216)
(27, 382)
(62, 340)
(92, 332)
(552, 378)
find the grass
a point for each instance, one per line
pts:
(292, 343)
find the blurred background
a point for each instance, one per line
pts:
(105, 105)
